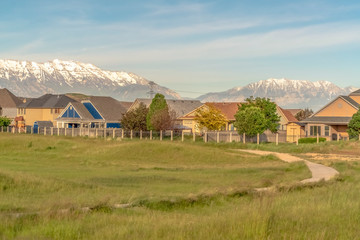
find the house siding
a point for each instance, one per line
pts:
(339, 108)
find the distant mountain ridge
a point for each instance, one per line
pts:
(285, 92)
(31, 79)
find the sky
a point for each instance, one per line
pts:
(193, 47)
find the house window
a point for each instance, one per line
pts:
(314, 130)
(327, 131)
(57, 110)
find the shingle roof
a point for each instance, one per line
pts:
(82, 111)
(328, 120)
(48, 101)
(8, 100)
(229, 109)
(126, 105)
(351, 101)
(294, 111)
(110, 108)
(355, 93)
(180, 107)
(288, 115)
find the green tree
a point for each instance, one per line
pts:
(303, 114)
(250, 120)
(210, 118)
(354, 125)
(4, 121)
(158, 103)
(135, 119)
(161, 120)
(267, 107)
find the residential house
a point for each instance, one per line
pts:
(8, 104)
(228, 109)
(332, 120)
(95, 112)
(178, 107)
(44, 108)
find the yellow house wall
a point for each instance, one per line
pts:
(338, 108)
(35, 114)
(356, 98)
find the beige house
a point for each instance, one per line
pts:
(332, 120)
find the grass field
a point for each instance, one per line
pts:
(177, 191)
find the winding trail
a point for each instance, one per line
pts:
(319, 172)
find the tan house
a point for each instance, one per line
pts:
(332, 120)
(229, 110)
(8, 104)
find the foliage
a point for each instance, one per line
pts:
(161, 120)
(135, 119)
(4, 121)
(354, 125)
(250, 120)
(267, 107)
(158, 103)
(303, 114)
(311, 140)
(210, 118)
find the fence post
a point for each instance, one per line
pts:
(104, 133)
(44, 131)
(258, 139)
(65, 131)
(244, 138)
(182, 135)
(58, 131)
(150, 134)
(194, 136)
(297, 139)
(72, 131)
(217, 137)
(131, 134)
(171, 135)
(160, 135)
(113, 133)
(19, 130)
(31, 130)
(230, 138)
(51, 131)
(122, 133)
(205, 136)
(338, 137)
(96, 132)
(277, 139)
(140, 134)
(317, 138)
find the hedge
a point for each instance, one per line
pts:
(311, 140)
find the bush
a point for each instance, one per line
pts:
(311, 140)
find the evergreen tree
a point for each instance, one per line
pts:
(303, 114)
(158, 103)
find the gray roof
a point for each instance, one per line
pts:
(351, 101)
(180, 107)
(44, 123)
(110, 108)
(328, 120)
(48, 101)
(355, 93)
(8, 100)
(82, 111)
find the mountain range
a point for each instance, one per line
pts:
(285, 92)
(31, 79)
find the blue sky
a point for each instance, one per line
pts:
(191, 46)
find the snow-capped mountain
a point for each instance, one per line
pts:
(31, 79)
(285, 92)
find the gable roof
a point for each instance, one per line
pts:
(110, 108)
(347, 99)
(229, 109)
(355, 93)
(126, 105)
(180, 107)
(328, 120)
(287, 114)
(8, 100)
(294, 111)
(81, 110)
(48, 101)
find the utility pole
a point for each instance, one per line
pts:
(151, 92)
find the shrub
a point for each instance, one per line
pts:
(311, 140)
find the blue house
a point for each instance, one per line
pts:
(96, 112)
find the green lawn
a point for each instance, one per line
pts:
(45, 182)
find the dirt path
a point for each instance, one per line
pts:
(318, 171)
